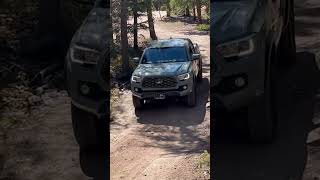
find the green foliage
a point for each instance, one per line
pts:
(163, 8)
(179, 6)
(203, 27)
(205, 2)
(114, 98)
(204, 160)
(116, 62)
(206, 16)
(116, 66)
(140, 6)
(159, 4)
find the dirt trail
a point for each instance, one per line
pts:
(163, 141)
(42, 146)
(308, 39)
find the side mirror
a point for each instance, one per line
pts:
(196, 46)
(195, 56)
(136, 60)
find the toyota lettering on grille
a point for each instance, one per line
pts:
(159, 81)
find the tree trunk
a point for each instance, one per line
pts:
(194, 11)
(187, 11)
(153, 35)
(135, 25)
(124, 36)
(198, 3)
(168, 8)
(207, 9)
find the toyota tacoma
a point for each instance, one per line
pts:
(170, 67)
(87, 83)
(250, 40)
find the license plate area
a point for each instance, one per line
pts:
(159, 96)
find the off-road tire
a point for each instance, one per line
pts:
(91, 162)
(287, 44)
(191, 99)
(262, 114)
(86, 129)
(137, 102)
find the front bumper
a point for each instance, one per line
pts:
(226, 95)
(95, 101)
(153, 93)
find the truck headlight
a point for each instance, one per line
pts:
(240, 47)
(136, 79)
(84, 55)
(183, 77)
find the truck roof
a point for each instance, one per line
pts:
(163, 43)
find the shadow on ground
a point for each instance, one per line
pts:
(306, 23)
(175, 128)
(206, 68)
(192, 33)
(175, 113)
(185, 19)
(286, 157)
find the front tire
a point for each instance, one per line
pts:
(137, 102)
(92, 162)
(191, 99)
(86, 130)
(262, 114)
(287, 44)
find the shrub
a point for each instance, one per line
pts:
(204, 160)
(203, 27)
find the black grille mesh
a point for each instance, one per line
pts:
(85, 56)
(159, 82)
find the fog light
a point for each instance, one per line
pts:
(239, 82)
(136, 89)
(184, 87)
(85, 89)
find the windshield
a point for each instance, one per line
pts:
(164, 55)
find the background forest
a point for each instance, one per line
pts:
(128, 42)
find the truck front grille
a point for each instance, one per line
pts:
(159, 82)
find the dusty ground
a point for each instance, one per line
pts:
(308, 38)
(165, 140)
(40, 145)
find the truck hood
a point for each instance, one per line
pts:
(231, 20)
(162, 69)
(92, 33)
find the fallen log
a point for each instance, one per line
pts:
(44, 75)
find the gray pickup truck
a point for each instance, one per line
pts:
(250, 40)
(87, 83)
(167, 68)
